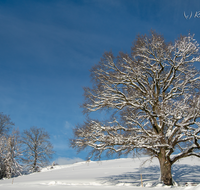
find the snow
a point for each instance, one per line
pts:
(115, 174)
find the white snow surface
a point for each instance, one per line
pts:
(118, 174)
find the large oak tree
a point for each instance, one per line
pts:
(153, 93)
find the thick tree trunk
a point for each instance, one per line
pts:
(165, 170)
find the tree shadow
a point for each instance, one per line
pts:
(149, 175)
(182, 174)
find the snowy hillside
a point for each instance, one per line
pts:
(111, 174)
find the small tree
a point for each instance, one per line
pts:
(155, 91)
(38, 149)
(2, 156)
(12, 155)
(5, 126)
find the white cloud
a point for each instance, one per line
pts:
(68, 125)
(64, 161)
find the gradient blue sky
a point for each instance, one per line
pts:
(47, 48)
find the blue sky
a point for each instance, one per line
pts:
(48, 47)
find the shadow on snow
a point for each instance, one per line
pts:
(182, 174)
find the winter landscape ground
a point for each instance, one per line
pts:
(115, 174)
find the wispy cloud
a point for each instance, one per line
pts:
(68, 125)
(64, 161)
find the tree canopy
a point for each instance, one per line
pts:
(153, 95)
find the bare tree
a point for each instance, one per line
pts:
(38, 149)
(153, 94)
(6, 165)
(12, 155)
(2, 157)
(5, 124)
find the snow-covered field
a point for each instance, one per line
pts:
(115, 174)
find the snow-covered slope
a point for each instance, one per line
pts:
(110, 174)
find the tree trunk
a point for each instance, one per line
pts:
(35, 163)
(165, 170)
